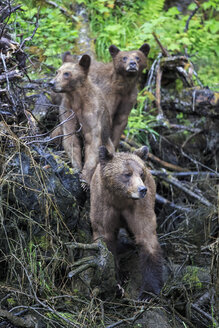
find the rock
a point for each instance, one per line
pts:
(157, 318)
(44, 188)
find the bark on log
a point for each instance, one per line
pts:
(18, 322)
(201, 102)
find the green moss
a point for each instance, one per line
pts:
(11, 301)
(42, 241)
(192, 277)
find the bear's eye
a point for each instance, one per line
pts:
(128, 174)
(124, 59)
(66, 74)
(137, 58)
(142, 176)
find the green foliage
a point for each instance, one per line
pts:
(115, 22)
(54, 35)
(128, 24)
(141, 123)
(37, 269)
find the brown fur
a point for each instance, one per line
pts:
(82, 108)
(118, 81)
(120, 181)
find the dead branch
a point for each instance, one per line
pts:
(128, 320)
(179, 185)
(81, 269)
(167, 165)
(157, 92)
(7, 11)
(10, 76)
(192, 14)
(204, 314)
(165, 201)
(154, 158)
(19, 322)
(178, 63)
(185, 128)
(164, 51)
(34, 31)
(94, 246)
(63, 10)
(184, 174)
(203, 299)
(86, 262)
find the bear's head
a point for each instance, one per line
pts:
(71, 75)
(130, 63)
(124, 174)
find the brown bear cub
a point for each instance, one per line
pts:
(83, 113)
(127, 192)
(118, 81)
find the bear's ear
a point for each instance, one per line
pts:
(142, 152)
(67, 57)
(113, 50)
(145, 49)
(104, 155)
(85, 62)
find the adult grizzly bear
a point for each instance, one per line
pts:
(118, 81)
(83, 114)
(127, 192)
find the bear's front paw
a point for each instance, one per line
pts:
(146, 296)
(120, 292)
(84, 184)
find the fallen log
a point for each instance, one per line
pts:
(201, 102)
(18, 322)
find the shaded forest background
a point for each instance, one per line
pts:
(51, 275)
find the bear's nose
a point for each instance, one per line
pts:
(132, 64)
(142, 191)
(51, 83)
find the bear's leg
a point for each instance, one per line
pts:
(71, 141)
(120, 121)
(111, 229)
(72, 146)
(56, 136)
(151, 265)
(90, 163)
(150, 255)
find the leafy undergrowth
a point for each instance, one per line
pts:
(128, 24)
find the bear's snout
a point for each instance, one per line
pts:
(55, 86)
(132, 65)
(51, 83)
(142, 191)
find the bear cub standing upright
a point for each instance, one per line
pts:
(118, 81)
(83, 113)
(127, 192)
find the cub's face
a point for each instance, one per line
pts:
(124, 175)
(68, 78)
(129, 63)
(71, 75)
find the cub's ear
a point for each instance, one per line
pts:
(85, 62)
(142, 152)
(104, 155)
(113, 50)
(145, 49)
(67, 57)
